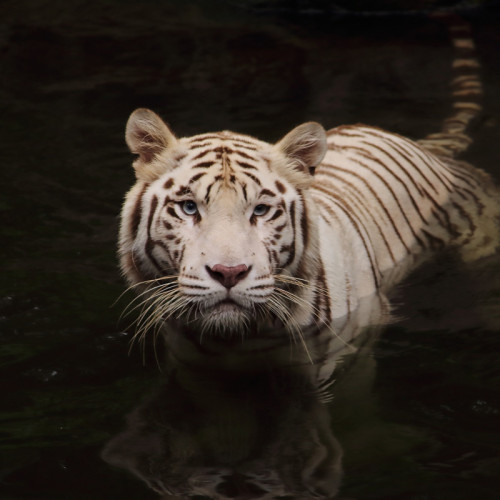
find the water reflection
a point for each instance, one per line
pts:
(244, 419)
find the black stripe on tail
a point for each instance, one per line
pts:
(466, 91)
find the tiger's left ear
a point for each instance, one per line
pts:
(148, 136)
(305, 146)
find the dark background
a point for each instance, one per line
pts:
(70, 74)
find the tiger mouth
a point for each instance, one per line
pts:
(228, 305)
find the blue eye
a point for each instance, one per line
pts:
(189, 207)
(261, 210)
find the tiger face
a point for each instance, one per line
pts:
(217, 224)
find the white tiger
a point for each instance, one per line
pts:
(224, 232)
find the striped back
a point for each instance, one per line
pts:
(395, 203)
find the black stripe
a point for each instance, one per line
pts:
(171, 211)
(261, 287)
(184, 191)
(343, 131)
(198, 146)
(150, 244)
(354, 192)
(280, 186)
(201, 154)
(434, 242)
(276, 214)
(244, 155)
(165, 248)
(243, 140)
(348, 212)
(324, 289)
(203, 164)
(205, 137)
(304, 222)
(291, 257)
(196, 177)
(348, 288)
(220, 150)
(398, 147)
(267, 192)
(447, 225)
(135, 220)
(425, 158)
(369, 156)
(255, 179)
(316, 301)
(329, 209)
(429, 160)
(388, 186)
(465, 215)
(244, 164)
(182, 254)
(398, 164)
(465, 175)
(207, 195)
(245, 146)
(479, 204)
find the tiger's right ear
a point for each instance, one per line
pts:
(148, 136)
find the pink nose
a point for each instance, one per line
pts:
(228, 276)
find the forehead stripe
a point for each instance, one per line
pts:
(168, 183)
(245, 146)
(201, 145)
(203, 164)
(196, 177)
(205, 137)
(267, 192)
(245, 155)
(255, 179)
(243, 140)
(201, 154)
(244, 164)
(281, 187)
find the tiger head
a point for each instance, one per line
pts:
(219, 225)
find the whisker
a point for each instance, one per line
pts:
(150, 291)
(300, 282)
(144, 283)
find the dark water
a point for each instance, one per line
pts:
(417, 414)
